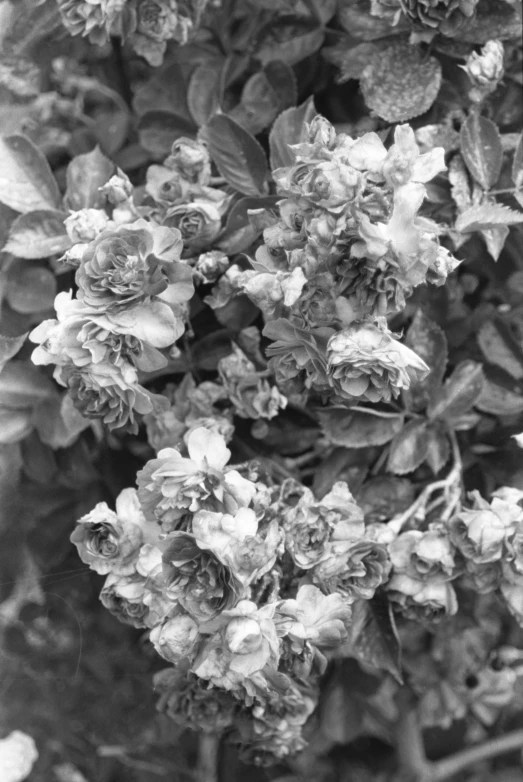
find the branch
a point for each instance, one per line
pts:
(208, 750)
(449, 767)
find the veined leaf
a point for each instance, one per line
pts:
(409, 448)
(86, 174)
(26, 180)
(289, 128)
(430, 343)
(485, 216)
(482, 149)
(356, 429)
(38, 234)
(459, 392)
(237, 155)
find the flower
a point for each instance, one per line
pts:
(423, 555)
(485, 70)
(479, 532)
(365, 361)
(110, 542)
(176, 639)
(212, 265)
(91, 18)
(191, 160)
(118, 189)
(171, 485)
(125, 265)
(312, 616)
(248, 390)
(242, 642)
(238, 542)
(189, 703)
(196, 578)
(108, 392)
(18, 754)
(123, 597)
(353, 568)
(298, 356)
(431, 599)
(85, 225)
(404, 164)
(198, 222)
(158, 21)
(444, 16)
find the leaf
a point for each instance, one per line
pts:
(517, 165)
(22, 386)
(355, 18)
(351, 60)
(438, 448)
(400, 82)
(355, 429)
(86, 174)
(428, 340)
(26, 180)
(501, 394)
(31, 287)
(259, 105)
(495, 239)
(9, 347)
(482, 149)
(159, 129)
(237, 155)
(373, 637)
(408, 449)
(239, 231)
(283, 81)
(383, 497)
(485, 216)
(500, 348)
(209, 350)
(38, 234)
(237, 314)
(494, 19)
(459, 393)
(15, 425)
(289, 128)
(166, 91)
(288, 42)
(203, 95)
(58, 422)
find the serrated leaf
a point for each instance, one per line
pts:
(31, 287)
(495, 239)
(237, 155)
(159, 129)
(38, 234)
(373, 638)
(289, 128)
(86, 174)
(459, 392)
(485, 216)
(428, 340)
(438, 448)
(9, 347)
(408, 449)
(355, 429)
(26, 180)
(400, 82)
(500, 348)
(482, 149)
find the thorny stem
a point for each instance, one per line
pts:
(208, 750)
(451, 493)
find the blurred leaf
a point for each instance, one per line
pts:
(282, 79)
(30, 288)
(38, 234)
(26, 180)
(239, 232)
(26, 590)
(373, 637)
(428, 340)
(517, 169)
(166, 91)
(15, 425)
(9, 347)
(351, 60)
(159, 129)
(355, 18)
(485, 216)
(237, 314)
(58, 422)
(289, 41)
(207, 352)
(408, 449)
(385, 496)
(400, 82)
(500, 348)
(357, 429)
(203, 94)
(237, 155)
(482, 149)
(494, 19)
(86, 174)
(438, 448)
(289, 128)
(501, 394)
(22, 386)
(459, 392)
(259, 104)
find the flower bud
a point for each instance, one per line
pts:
(321, 131)
(212, 265)
(243, 635)
(118, 189)
(85, 225)
(191, 160)
(176, 638)
(485, 70)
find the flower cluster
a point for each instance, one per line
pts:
(147, 24)
(348, 247)
(130, 307)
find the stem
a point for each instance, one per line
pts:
(208, 751)
(411, 752)
(503, 191)
(449, 767)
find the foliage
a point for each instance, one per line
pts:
(261, 363)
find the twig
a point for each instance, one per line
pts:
(449, 767)
(208, 750)
(411, 752)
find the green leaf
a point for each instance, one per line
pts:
(373, 638)
(517, 164)
(203, 94)
(400, 82)
(58, 422)
(38, 234)
(501, 394)
(289, 42)
(166, 91)
(237, 314)
(459, 392)
(209, 350)
(500, 347)
(86, 174)
(354, 17)
(408, 449)
(355, 429)
(385, 496)
(486, 216)
(482, 149)
(159, 129)
(15, 425)
(289, 128)
(495, 239)
(428, 340)
(237, 155)
(283, 81)
(26, 180)
(31, 287)
(259, 105)
(9, 347)
(351, 60)
(239, 232)
(23, 386)
(438, 448)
